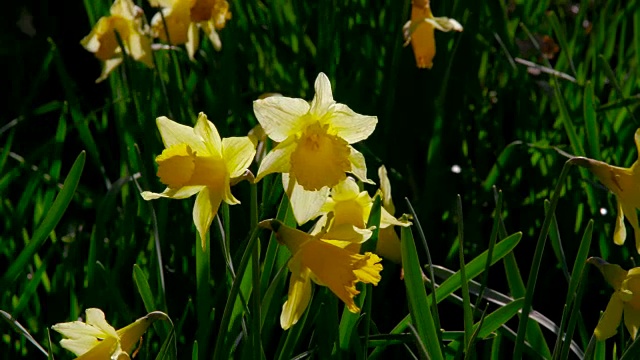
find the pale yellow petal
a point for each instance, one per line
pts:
(631, 319)
(278, 160)
(323, 98)
(347, 189)
(620, 232)
(367, 269)
(79, 337)
(180, 193)
(209, 133)
(608, 324)
(227, 196)
(445, 24)
(385, 188)
(298, 299)
(209, 28)
(359, 166)
(140, 48)
(123, 8)
(238, 153)
(292, 238)
(102, 351)
(348, 232)
(95, 317)
(107, 67)
(305, 204)
(630, 213)
(349, 125)
(193, 40)
(204, 210)
(173, 133)
(387, 220)
(281, 116)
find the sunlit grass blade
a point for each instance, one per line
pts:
(537, 260)
(557, 28)
(140, 279)
(417, 296)
(54, 214)
(15, 325)
(221, 350)
(500, 164)
(466, 301)
(577, 276)
(496, 319)
(590, 122)
(612, 78)
(50, 354)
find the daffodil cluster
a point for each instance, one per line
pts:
(320, 172)
(178, 22)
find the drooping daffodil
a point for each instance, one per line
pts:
(624, 301)
(344, 218)
(420, 32)
(625, 184)
(328, 265)
(126, 20)
(179, 22)
(96, 339)
(314, 151)
(197, 160)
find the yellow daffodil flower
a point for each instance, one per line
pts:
(96, 339)
(420, 32)
(196, 160)
(344, 218)
(314, 151)
(625, 184)
(183, 18)
(624, 301)
(326, 264)
(126, 19)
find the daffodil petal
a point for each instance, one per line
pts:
(632, 320)
(280, 116)
(629, 211)
(368, 269)
(347, 189)
(131, 334)
(193, 40)
(140, 48)
(387, 220)
(107, 67)
(612, 273)
(208, 132)
(359, 166)
(305, 204)
(204, 210)
(102, 350)
(389, 245)
(620, 232)
(349, 125)
(238, 153)
(348, 232)
(227, 196)
(422, 36)
(277, 160)
(123, 8)
(385, 188)
(608, 324)
(173, 133)
(79, 337)
(297, 301)
(209, 28)
(180, 193)
(323, 98)
(95, 317)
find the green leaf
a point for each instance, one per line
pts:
(466, 300)
(15, 325)
(54, 214)
(417, 296)
(590, 122)
(496, 319)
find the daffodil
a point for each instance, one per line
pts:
(328, 265)
(180, 20)
(126, 20)
(625, 184)
(196, 160)
(96, 339)
(624, 301)
(420, 32)
(344, 217)
(314, 151)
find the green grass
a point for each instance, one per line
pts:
(524, 82)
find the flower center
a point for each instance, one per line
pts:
(320, 159)
(180, 166)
